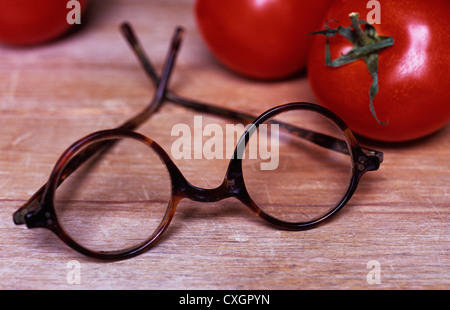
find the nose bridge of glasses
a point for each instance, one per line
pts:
(199, 194)
(231, 186)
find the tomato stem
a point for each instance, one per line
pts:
(366, 46)
(362, 38)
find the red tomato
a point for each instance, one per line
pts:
(264, 39)
(413, 96)
(24, 22)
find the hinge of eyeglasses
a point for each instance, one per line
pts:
(30, 206)
(370, 161)
(373, 153)
(19, 215)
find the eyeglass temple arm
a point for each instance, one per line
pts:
(162, 83)
(144, 60)
(32, 204)
(317, 138)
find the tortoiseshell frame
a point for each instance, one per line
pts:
(39, 210)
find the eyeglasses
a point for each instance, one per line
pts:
(314, 167)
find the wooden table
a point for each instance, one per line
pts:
(53, 94)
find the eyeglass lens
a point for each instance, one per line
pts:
(116, 199)
(304, 181)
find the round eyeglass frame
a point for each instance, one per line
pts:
(233, 184)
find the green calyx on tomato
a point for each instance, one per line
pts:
(366, 45)
(413, 73)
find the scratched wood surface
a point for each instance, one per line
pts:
(53, 94)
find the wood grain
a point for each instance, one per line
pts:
(53, 94)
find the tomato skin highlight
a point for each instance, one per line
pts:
(262, 39)
(27, 22)
(413, 96)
